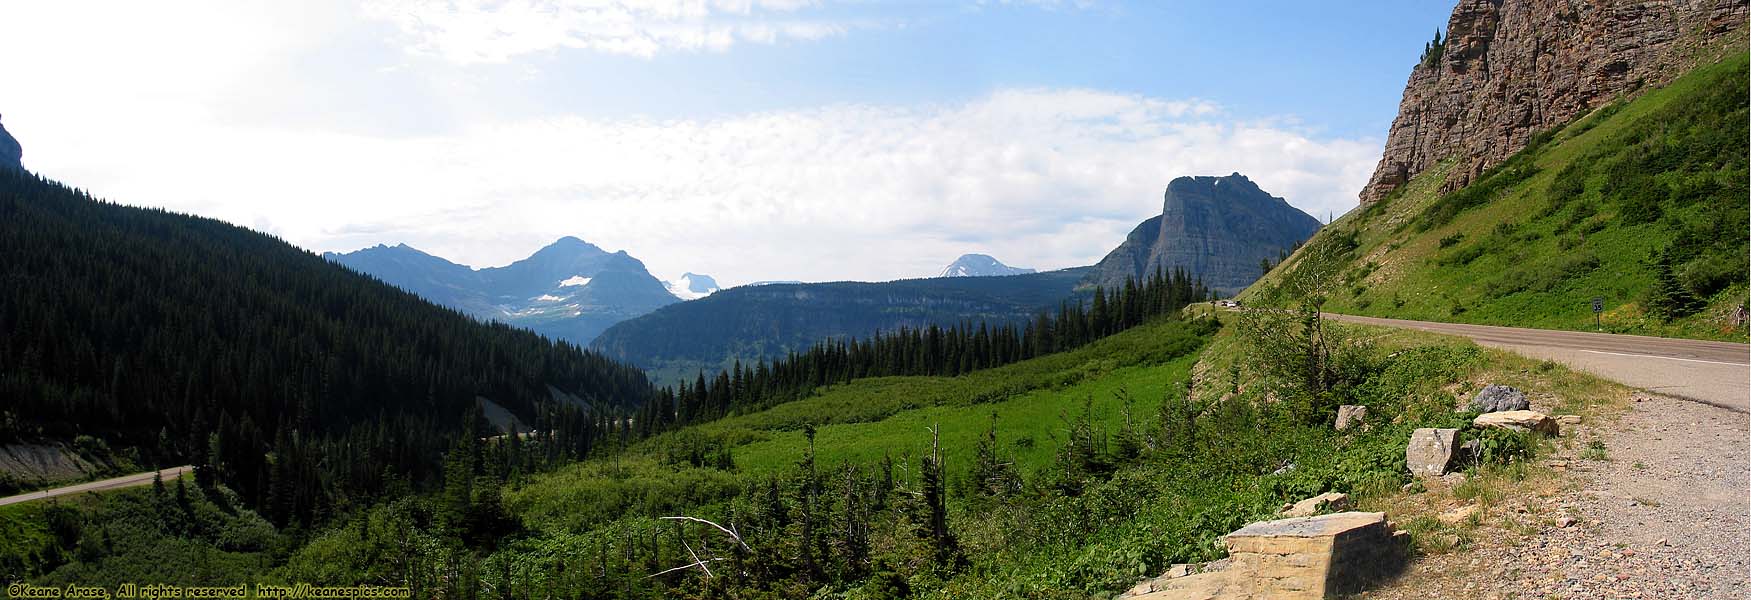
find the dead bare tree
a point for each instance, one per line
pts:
(703, 563)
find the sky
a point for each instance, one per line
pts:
(750, 140)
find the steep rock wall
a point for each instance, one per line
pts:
(1512, 68)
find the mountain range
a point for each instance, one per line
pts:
(569, 290)
(980, 265)
(1217, 228)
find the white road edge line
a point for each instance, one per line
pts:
(1712, 362)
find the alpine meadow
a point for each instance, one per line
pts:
(641, 299)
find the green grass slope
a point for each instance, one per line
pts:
(1641, 203)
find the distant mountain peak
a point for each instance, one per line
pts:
(980, 265)
(572, 242)
(692, 286)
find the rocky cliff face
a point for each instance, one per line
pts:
(1218, 228)
(1512, 68)
(11, 152)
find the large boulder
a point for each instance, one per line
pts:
(1350, 415)
(1518, 420)
(1497, 398)
(1430, 451)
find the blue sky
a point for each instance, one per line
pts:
(747, 139)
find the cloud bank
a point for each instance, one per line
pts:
(475, 31)
(1038, 177)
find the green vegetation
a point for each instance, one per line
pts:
(1071, 475)
(1432, 51)
(1640, 203)
(170, 339)
(930, 350)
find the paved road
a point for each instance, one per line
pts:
(1714, 373)
(125, 481)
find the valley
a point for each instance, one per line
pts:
(1517, 368)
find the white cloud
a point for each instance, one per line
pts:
(480, 31)
(1037, 177)
(184, 107)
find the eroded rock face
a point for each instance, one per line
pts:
(1512, 68)
(1216, 228)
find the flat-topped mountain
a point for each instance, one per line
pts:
(570, 289)
(1216, 228)
(980, 265)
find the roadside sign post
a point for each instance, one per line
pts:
(1598, 307)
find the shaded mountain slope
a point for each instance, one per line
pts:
(178, 339)
(755, 322)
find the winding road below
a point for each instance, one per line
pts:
(124, 481)
(1713, 373)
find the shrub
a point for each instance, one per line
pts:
(1709, 274)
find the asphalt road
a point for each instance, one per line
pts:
(1714, 373)
(125, 481)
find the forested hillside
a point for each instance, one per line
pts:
(765, 322)
(299, 384)
(1640, 203)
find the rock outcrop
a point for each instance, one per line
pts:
(1512, 68)
(11, 153)
(1217, 228)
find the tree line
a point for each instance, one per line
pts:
(931, 350)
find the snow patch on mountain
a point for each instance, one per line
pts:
(692, 286)
(980, 265)
(575, 280)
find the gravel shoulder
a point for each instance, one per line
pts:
(1661, 512)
